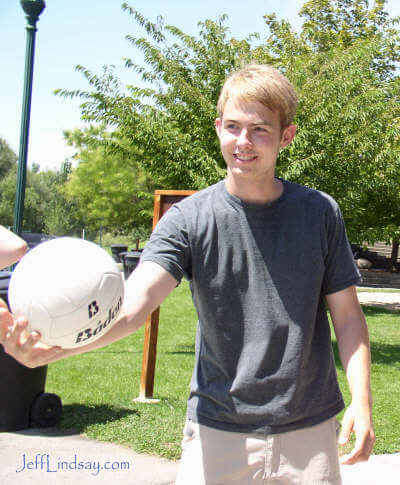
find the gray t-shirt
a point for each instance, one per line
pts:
(258, 275)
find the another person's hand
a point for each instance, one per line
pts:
(24, 346)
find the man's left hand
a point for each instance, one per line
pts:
(361, 424)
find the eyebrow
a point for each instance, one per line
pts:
(261, 122)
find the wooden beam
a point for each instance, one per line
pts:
(163, 200)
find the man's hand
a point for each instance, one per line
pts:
(22, 345)
(360, 423)
(353, 342)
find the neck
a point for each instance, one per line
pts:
(255, 193)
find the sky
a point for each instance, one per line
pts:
(92, 33)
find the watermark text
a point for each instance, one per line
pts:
(46, 463)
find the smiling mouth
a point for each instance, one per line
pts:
(241, 157)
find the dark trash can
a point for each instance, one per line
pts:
(4, 282)
(116, 250)
(23, 402)
(35, 238)
(130, 261)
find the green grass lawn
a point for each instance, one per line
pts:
(384, 329)
(98, 389)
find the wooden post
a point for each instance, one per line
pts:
(163, 200)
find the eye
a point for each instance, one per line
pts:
(260, 129)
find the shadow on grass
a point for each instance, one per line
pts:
(179, 352)
(79, 416)
(370, 311)
(105, 351)
(380, 354)
(180, 349)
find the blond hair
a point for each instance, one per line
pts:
(261, 83)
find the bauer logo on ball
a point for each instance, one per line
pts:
(70, 290)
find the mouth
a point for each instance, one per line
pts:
(244, 157)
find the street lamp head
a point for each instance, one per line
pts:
(33, 8)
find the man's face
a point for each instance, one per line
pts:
(250, 135)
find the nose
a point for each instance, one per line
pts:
(243, 138)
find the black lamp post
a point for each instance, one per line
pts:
(32, 8)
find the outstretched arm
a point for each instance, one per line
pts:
(145, 290)
(353, 343)
(12, 247)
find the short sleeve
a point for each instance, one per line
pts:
(169, 245)
(340, 268)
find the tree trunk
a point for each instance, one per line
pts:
(394, 255)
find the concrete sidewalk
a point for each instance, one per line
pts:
(53, 456)
(388, 301)
(378, 470)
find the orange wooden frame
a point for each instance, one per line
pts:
(163, 200)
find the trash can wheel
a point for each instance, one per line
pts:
(46, 410)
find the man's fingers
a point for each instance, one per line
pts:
(13, 333)
(345, 432)
(33, 338)
(358, 454)
(6, 321)
(18, 331)
(3, 304)
(362, 448)
(21, 344)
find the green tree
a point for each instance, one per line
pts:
(342, 23)
(37, 194)
(8, 158)
(42, 195)
(8, 171)
(172, 119)
(109, 187)
(63, 216)
(342, 63)
(7, 197)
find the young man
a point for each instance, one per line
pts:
(263, 256)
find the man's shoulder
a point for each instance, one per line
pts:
(309, 195)
(200, 198)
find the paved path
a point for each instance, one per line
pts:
(52, 457)
(389, 301)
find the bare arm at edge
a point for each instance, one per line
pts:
(12, 247)
(146, 289)
(353, 342)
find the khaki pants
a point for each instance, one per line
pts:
(307, 456)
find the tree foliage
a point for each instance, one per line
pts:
(8, 158)
(343, 64)
(62, 217)
(45, 207)
(109, 187)
(171, 118)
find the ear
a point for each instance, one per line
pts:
(218, 125)
(287, 136)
